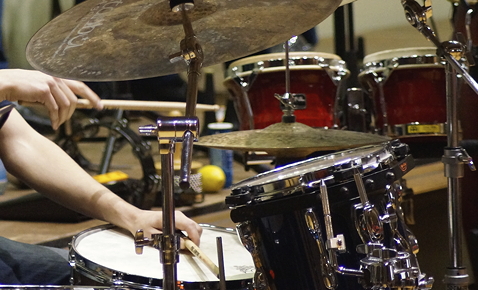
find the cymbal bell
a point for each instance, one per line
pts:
(101, 40)
(290, 140)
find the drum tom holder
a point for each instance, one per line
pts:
(454, 156)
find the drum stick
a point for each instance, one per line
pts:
(136, 105)
(196, 251)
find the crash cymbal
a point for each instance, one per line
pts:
(111, 40)
(290, 140)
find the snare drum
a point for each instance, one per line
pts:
(413, 101)
(253, 81)
(105, 255)
(282, 221)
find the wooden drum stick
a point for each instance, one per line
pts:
(136, 105)
(196, 251)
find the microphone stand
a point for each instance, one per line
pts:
(454, 157)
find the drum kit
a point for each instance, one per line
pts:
(327, 222)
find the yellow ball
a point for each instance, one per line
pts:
(213, 178)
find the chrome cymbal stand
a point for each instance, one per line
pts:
(169, 131)
(454, 157)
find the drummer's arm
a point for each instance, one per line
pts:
(48, 169)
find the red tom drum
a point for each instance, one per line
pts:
(413, 97)
(253, 81)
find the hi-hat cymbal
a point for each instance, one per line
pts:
(290, 140)
(112, 40)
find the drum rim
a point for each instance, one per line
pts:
(137, 281)
(400, 52)
(409, 56)
(276, 62)
(282, 185)
(280, 55)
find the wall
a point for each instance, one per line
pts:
(371, 15)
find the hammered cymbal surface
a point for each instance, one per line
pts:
(290, 140)
(114, 40)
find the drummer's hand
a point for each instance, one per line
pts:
(151, 221)
(58, 95)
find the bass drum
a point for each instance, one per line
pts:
(105, 255)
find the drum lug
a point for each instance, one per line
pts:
(367, 218)
(260, 282)
(326, 267)
(248, 239)
(337, 70)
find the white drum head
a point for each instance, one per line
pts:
(114, 249)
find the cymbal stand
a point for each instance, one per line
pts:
(172, 130)
(454, 156)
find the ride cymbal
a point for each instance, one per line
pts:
(113, 40)
(290, 140)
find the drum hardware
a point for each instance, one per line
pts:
(463, 13)
(292, 198)
(156, 241)
(454, 156)
(469, 40)
(327, 268)
(245, 86)
(381, 257)
(369, 224)
(334, 244)
(172, 130)
(380, 80)
(220, 257)
(289, 102)
(408, 207)
(169, 131)
(356, 112)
